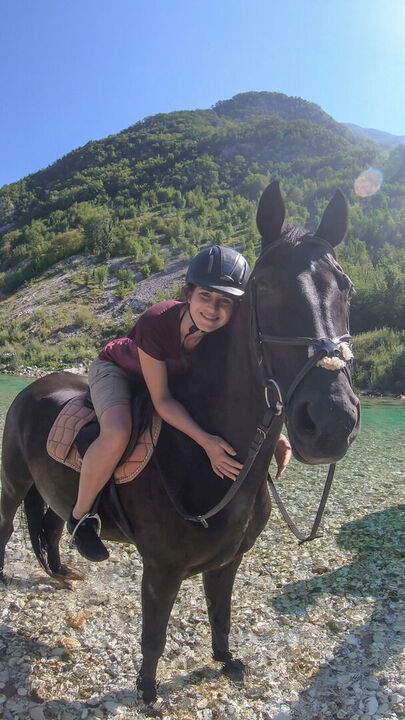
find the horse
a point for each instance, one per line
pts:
(296, 305)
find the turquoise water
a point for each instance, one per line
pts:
(380, 446)
(10, 386)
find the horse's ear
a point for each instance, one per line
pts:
(270, 214)
(334, 221)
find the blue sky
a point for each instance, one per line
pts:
(79, 71)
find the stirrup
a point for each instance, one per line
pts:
(87, 516)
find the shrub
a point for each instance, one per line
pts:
(83, 317)
(380, 360)
(156, 262)
(146, 271)
(100, 275)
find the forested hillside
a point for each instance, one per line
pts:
(175, 182)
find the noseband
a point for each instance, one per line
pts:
(328, 353)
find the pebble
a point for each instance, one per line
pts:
(372, 706)
(283, 715)
(36, 713)
(110, 706)
(283, 613)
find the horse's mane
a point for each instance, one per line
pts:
(293, 234)
(205, 376)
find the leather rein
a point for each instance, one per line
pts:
(275, 407)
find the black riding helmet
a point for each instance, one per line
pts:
(221, 269)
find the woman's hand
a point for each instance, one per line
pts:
(283, 454)
(220, 456)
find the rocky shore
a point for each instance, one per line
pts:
(320, 626)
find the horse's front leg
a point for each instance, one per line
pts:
(218, 586)
(159, 590)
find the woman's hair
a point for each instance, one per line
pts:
(186, 291)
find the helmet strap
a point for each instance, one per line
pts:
(193, 329)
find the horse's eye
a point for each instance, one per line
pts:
(349, 292)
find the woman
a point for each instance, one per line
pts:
(158, 346)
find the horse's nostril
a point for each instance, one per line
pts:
(305, 421)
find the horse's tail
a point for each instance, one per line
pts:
(35, 509)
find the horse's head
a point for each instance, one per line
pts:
(299, 297)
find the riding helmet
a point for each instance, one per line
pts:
(221, 269)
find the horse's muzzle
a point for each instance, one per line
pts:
(321, 427)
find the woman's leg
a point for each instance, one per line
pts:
(111, 396)
(103, 455)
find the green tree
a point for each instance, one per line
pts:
(99, 232)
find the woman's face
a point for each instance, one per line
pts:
(210, 310)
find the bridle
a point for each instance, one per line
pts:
(318, 349)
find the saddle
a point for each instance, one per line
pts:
(76, 427)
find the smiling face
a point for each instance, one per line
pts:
(210, 310)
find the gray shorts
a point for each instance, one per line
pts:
(109, 386)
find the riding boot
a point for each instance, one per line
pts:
(85, 537)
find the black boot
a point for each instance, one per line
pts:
(85, 537)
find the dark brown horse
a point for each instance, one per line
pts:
(297, 290)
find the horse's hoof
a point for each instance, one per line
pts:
(69, 574)
(64, 575)
(147, 689)
(3, 578)
(234, 669)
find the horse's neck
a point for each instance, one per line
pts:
(243, 395)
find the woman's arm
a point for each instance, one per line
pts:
(173, 412)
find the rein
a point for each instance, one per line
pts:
(318, 349)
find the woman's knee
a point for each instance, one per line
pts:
(116, 426)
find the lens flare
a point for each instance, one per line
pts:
(368, 182)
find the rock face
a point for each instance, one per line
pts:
(56, 295)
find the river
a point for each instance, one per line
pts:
(380, 444)
(320, 625)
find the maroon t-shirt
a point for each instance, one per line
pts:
(157, 333)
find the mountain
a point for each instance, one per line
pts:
(378, 136)
(247, 106)
(98, 223)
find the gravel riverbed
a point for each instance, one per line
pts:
(320, 627)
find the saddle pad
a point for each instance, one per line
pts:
(73, 416)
